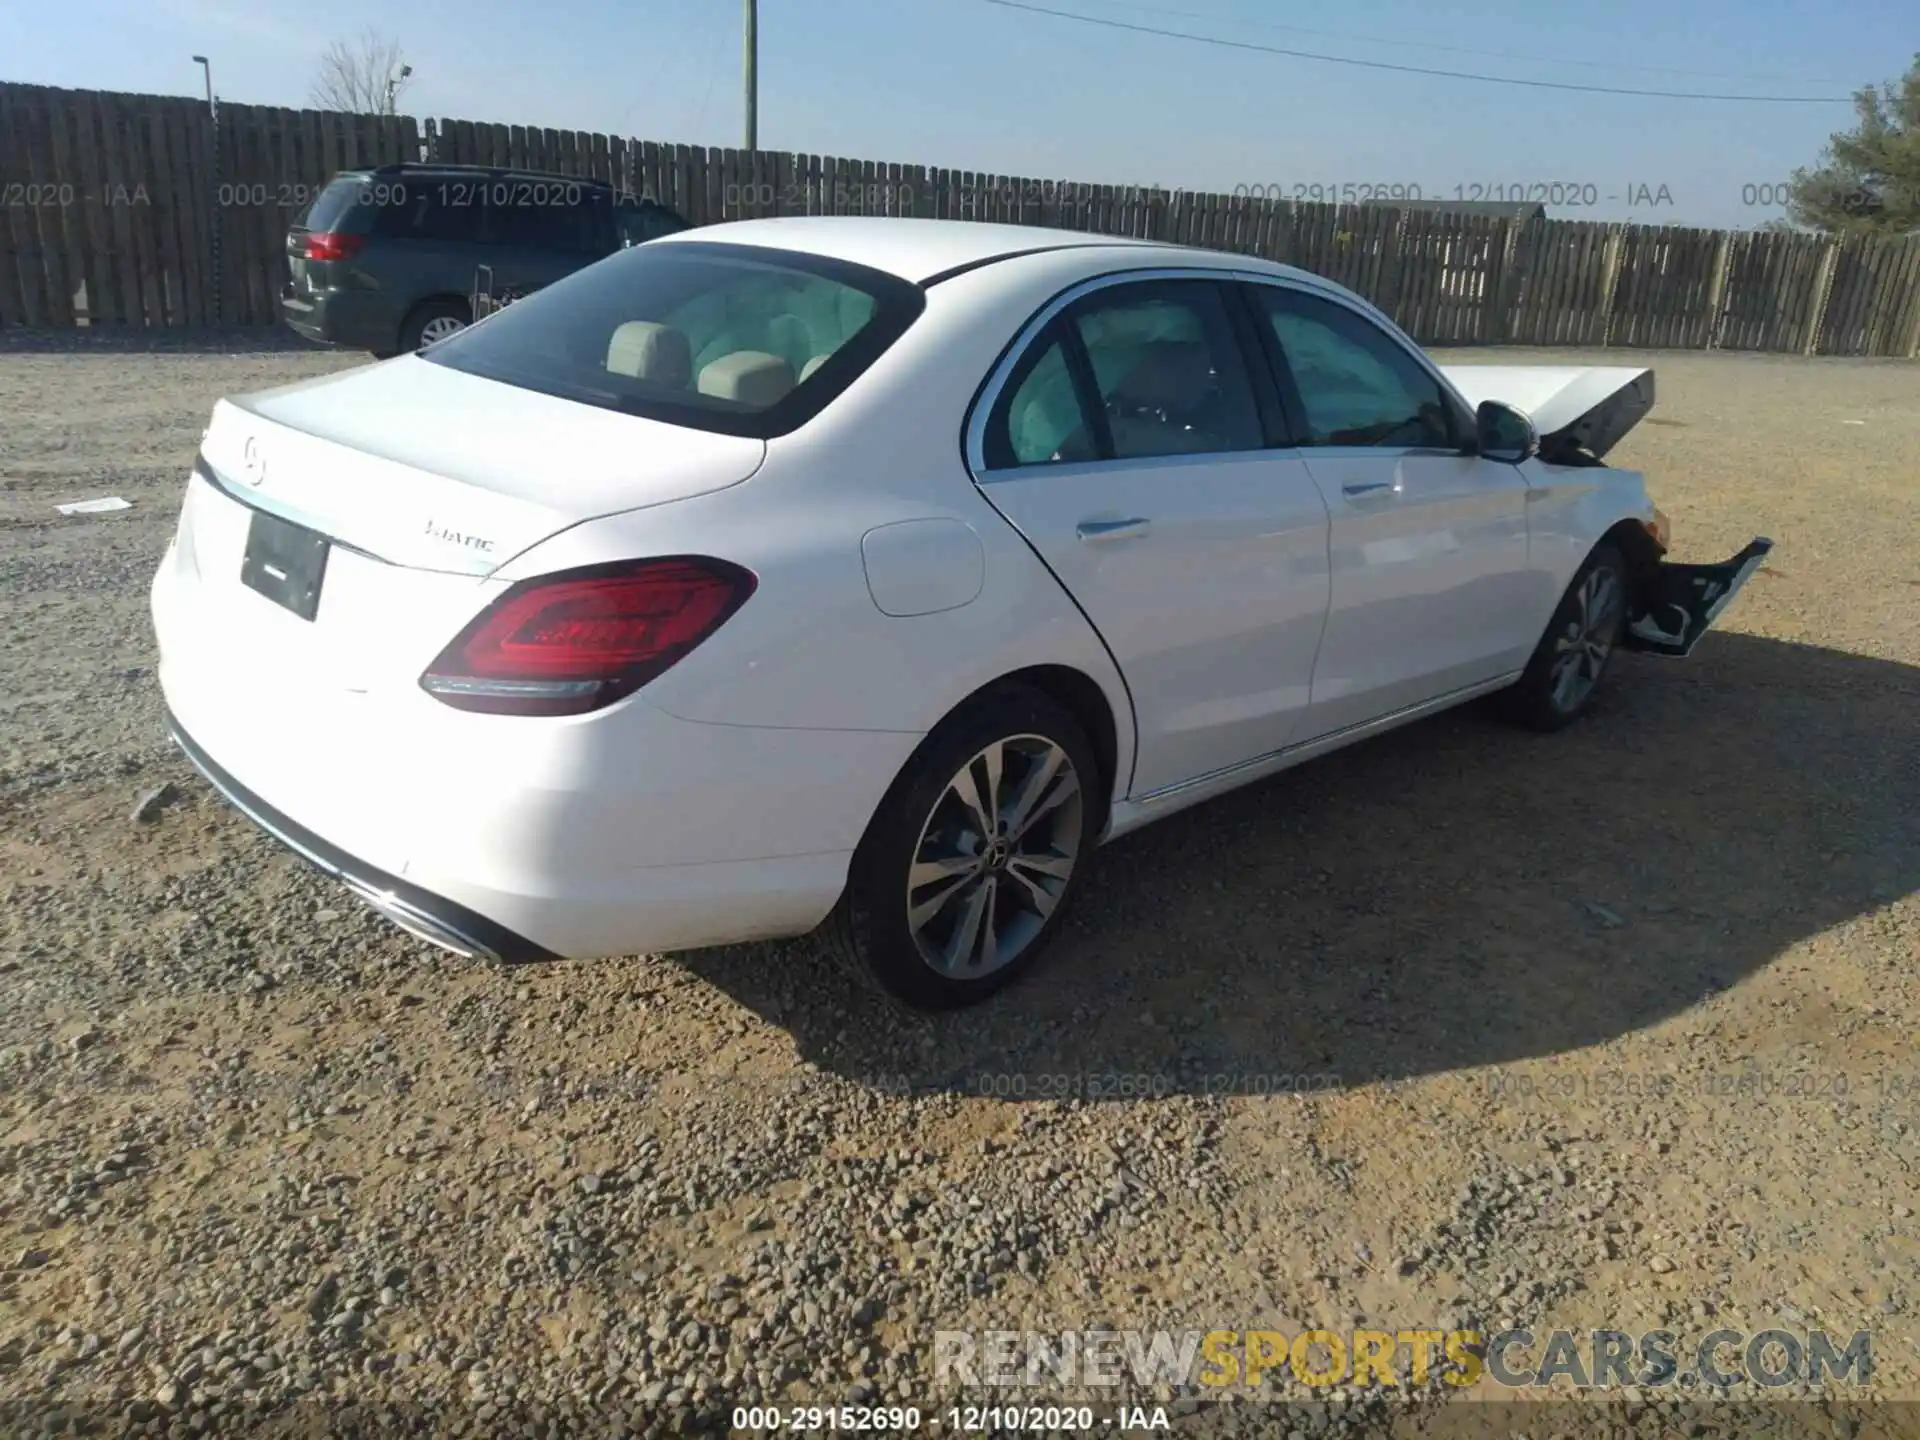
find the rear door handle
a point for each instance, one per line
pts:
(1367, 487)
(1097, 531)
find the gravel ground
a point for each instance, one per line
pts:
(1462, 1026)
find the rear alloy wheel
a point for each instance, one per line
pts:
(1565, 671)
(433, 321)
(969, 863)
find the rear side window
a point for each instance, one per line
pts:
(549, 217)
(1167, 369)
(1129, 372)
(1038, 419)
(734, 338)
(647, 221)
(418, 210)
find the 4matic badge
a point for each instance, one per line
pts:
(456, 537)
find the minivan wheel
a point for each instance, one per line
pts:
(968, 865)
(433, 320)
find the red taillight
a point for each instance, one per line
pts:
(333, 245)
(568, 643)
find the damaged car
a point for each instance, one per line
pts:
(868, 574)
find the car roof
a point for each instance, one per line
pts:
(923, 251)
(492, 172)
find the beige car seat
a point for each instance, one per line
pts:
(652, 352)
(751, 377)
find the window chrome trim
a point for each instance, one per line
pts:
(989, 393)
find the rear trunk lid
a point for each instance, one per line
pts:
(426, 467)
(1574, 408)
(338, 533)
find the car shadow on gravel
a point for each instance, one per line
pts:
(1455, 894)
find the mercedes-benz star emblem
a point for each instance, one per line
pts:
(256, 466)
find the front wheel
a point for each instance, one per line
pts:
(1560, 680)
(969, 863)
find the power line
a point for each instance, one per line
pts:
(667, 54)
(1417, 69)
(719, 53)
(1454, 49)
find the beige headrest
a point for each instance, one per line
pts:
(806, 370)
(649, 351)
(752, 377)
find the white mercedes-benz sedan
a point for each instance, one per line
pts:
(871, 573)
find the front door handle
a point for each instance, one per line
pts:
(1097, 531)
(1367, 487)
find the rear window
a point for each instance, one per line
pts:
(334, 203)
(734, 338)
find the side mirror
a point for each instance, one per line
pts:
(1504, 433)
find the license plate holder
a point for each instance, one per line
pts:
(285, 562)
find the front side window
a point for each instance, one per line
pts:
(1356, 384)
(735, 338)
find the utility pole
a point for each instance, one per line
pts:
(750, 67)
(393, 85)
(216, 211)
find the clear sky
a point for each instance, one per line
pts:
(974, 85)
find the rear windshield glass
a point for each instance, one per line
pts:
(735, 338)
(334, 203)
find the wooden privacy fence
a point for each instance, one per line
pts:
(150, 210)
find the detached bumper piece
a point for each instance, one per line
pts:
(433, 919)
(1681, 602)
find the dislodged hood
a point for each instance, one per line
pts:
(1591, 407)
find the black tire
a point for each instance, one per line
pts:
(869, 927)
(412, 329)
(1538, 700)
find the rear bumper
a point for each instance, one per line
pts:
(359, 321)
(627, 832)
(420, 912)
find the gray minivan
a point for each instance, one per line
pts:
(388, 259)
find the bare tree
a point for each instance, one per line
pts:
(364, 76)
